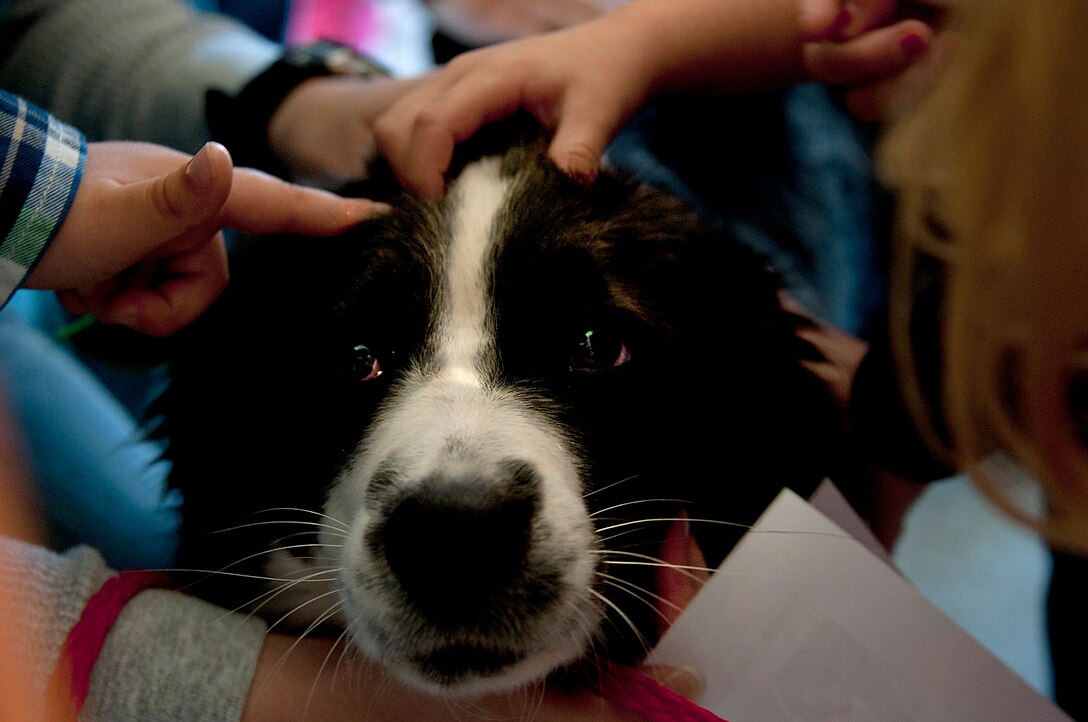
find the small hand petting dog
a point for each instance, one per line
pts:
(585, 81)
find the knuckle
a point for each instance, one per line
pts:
(384, 132)
(164, 202)
(428, 119)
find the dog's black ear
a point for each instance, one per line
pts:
(776, 422)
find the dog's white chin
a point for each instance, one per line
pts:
(531, 670)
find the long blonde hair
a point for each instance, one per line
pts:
(991, 175)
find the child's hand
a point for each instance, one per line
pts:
(577, 83)
(323, 131)
(882, 51)
(142, 244)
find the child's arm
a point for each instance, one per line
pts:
(586, 81)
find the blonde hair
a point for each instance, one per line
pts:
(991, 175)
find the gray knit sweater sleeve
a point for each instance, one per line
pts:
(167, 657)
(127, 69)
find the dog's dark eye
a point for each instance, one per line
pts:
(364, 364)
(598, 350)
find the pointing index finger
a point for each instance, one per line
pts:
(261, 203)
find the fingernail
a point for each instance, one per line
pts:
(913, 44)
(852, 21)
(199, 170)
(358, 210)
(584, 176)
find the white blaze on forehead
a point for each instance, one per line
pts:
(462, 333)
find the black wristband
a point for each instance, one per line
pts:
(240, 122)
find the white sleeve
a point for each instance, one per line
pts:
(173, 657)
(168, 656)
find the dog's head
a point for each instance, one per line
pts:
(493, 407)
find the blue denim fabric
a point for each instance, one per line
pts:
(790, 174)
(100, 482)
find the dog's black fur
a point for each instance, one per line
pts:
(713, 413)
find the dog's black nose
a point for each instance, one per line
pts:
(456, 546)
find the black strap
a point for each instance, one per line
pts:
(240, 122)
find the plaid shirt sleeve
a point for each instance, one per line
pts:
(41, 162)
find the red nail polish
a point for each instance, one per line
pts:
(913, 44)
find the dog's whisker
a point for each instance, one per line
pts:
(334, 520)
(528, 703)
(351, 655)
(307, 603)
(322, 574)
(536, 703)
(220, 572)
(524, 705)
(596, 514)
(466, 705)
(337, 531)
(344, 652)
(273, 550)
(328, 614)
(732, 524)
(622, 615)
(648, 561)
(609, 541)
(317, 677)
(287, 537)
(680, 568)
(637, 594)
(336, 643)
(321, 619)
(314, 558)
(609, 486)
(613, 537)
(647, 520)
(286, 585)
(640, 593)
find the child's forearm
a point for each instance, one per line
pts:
(714, 45)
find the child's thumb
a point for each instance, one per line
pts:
(193, 194)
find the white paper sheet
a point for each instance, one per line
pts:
(804, 622)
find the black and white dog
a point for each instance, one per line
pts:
(461, 431)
